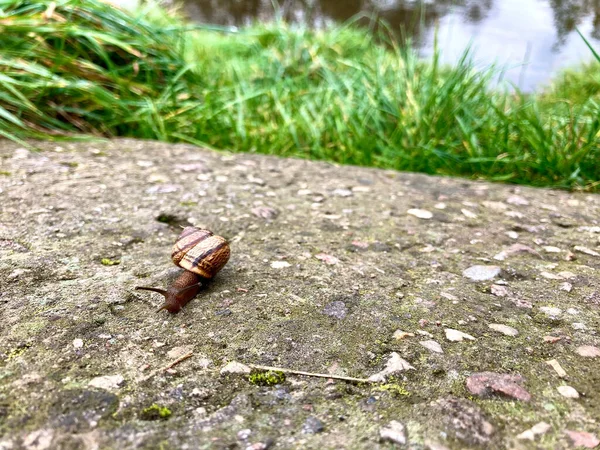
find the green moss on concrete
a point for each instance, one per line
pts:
(155, 412)
(110, 262)
(268, 378)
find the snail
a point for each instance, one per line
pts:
(202, 254)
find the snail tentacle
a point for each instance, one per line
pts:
(144, 288)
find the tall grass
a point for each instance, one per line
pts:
(339, 95)
(84, 67)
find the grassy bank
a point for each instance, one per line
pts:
(85, 67)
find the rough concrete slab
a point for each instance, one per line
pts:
(338, 270)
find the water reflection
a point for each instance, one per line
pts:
(412, 18)
(535, 34)
(400, 14)
(316, 13)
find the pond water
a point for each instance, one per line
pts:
(533, 39)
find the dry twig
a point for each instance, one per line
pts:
(168, 366)
(308, 374)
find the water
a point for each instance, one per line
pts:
(533, 38)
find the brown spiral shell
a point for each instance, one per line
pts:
(200, 251)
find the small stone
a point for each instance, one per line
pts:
(537, 430)
(457, 336)
(579, 326)
(201, 393)
(107, 382)
(163, 189)
(431, 445)
(178, 352)
(496, 206)
(38, 440)
(336, 310)
(327, 259)
(585, 250)
(394, 365)
(312, 425)
(420, 213)
(589, 229)
(424, 333)
(588, 351)
(16, 274)
(551, 311)
(303, 192)
(191, 167)
(481, 273)
(448, 296)
(280, 264)
(484, 384)
(469, 214)
(342, 192)
(255, 180)
(557, 368)
(464, 420)
(432, 346)
(552, 339)
(517, 200)
(399, 334)
(29, 378)
(257, 446)
(21, 153)
(504, 329)
(512, 234)
(568, 391)
(514, 250)
(550, 249)
(235, 367)
(550, 276)
(499, 291)
(514, 214)
(582, 439)
(566, 286)
(77, 343)
(360, 245)
(440, 205)
(566, 275)
(244, 434)
(393, 431)
(265, 212)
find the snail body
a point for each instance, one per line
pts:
(202, 254)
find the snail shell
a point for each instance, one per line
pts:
(202, 254)
(200, 251)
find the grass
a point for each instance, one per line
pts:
(76, 67)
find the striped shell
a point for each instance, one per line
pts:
(200, 251)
